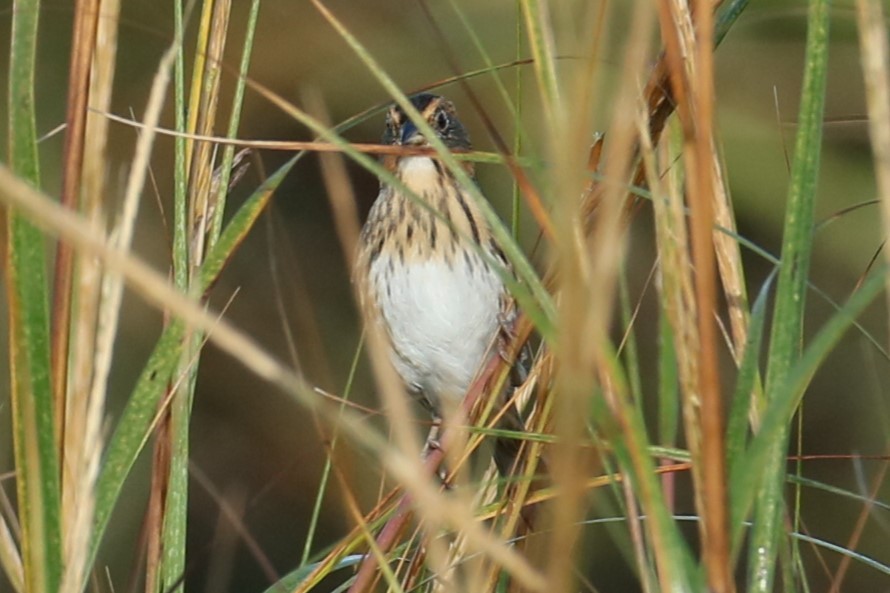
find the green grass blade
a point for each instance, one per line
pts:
(315, 517)
(188, 243)
(668, 384)
(36, 457)
(726, 17)
(134, 427)
(737, 423)
(294, 579)
(541, 44)
(629, 350)
(234, 121)
(780, 410)
(841, 492)
(786, 335)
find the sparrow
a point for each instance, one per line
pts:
(427, 270)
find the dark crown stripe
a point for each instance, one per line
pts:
(474, 228)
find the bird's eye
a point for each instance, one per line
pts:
(442, 120)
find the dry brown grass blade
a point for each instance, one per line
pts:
(677, 294)
(202, 202)
(157, 501)
(82, 439)
(590, 251)
(876, 70)
(297, 145)
(690, 59)
(86, 18)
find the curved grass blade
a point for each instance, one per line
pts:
(780, 410)
(294, 579)
(737, 423)
(817, 485)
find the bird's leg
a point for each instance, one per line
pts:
(433, 443)
(432, 440)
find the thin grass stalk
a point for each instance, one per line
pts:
(517, 122)
(729, 262)
(635, 526)
(875, 57)
(197, 205)
(727, 247)
(234, 122)
(786, 334)
(33, 426)
(867, 508)
(204, 203)
(199, 70)
(748, 382)
(668, 404)
(668, 392)
(513, 106)
(82, 439)
(304, 147)
(167, 515)
(676, 289)
(587, 270)
(315, 516)
(701, 189)
(628, 347)
(543, 50)
(679, 39)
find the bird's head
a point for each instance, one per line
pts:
(438, 112)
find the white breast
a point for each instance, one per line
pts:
(441, 320)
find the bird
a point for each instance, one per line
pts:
(429, 270)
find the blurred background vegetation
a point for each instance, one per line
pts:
(262, 451)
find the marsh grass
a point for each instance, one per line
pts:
(591, 432)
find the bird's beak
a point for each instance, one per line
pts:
(410, 135)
